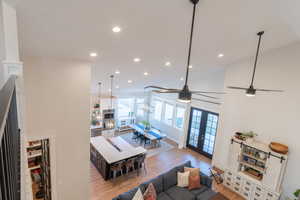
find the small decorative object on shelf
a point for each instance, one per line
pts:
(249, 136)
(279, 148)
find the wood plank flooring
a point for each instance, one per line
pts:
(106, 190)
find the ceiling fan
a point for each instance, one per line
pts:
(184, 94)
(251, 91)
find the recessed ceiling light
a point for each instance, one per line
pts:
(116, 29)
(220, 55)
(191, 66)
(146, 73)
(181, 79)
(117, 87)
(129, 81)
(137, 60)
(117, 72)
(168, 64)
(93, 54)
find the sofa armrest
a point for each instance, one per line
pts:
(206, 180)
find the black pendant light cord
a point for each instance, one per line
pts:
(256, 57)
(111, 88)
(190, 46)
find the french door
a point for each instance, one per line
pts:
(202, 131)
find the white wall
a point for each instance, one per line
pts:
(2, 47)
(275, 117)
(57, 105)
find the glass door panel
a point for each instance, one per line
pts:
(202, 131)
(195, 128)
(210, 133)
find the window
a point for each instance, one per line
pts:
(125, 108)
(140, 107)
(169, 114)
(157, 110)
(179, 119)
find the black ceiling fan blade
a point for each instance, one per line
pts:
(266, 90)
(157, 87)
(207, 96)
(166, 91)
(212, 102)
(204, 92)
(237, 88)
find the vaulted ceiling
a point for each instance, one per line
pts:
(155, 31)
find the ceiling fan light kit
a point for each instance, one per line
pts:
(251, 91)
(184, 94)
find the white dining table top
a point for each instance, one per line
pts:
(110, 153)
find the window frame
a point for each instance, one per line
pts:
(164, 112)
(161, 112)
(175, 117)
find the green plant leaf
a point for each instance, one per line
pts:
(297, 193)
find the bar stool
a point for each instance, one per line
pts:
(115, 168)
(141, 163)
(129, 164)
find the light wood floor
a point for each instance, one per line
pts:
(106, 190)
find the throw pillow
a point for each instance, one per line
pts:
(194, 182)
(183, 179)
(150, 193)
(138, 195)
(193, 171)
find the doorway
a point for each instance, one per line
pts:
(202, 131)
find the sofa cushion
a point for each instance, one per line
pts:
(183, 179)
(178, 193)
(170, 179)
(157, 182)
(205, 180)
(206, 195)
(150, 193)
(199, 190)
(163, 196)
(128, 195)
(180, 168)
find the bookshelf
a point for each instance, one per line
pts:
(38, 159)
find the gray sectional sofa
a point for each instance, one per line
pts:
(166, 187)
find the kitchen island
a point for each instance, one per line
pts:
(105, 152)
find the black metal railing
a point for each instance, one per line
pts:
(9, 143)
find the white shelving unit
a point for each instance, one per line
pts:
(255, 171)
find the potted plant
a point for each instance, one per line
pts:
(97, 105)
(297, 194)
(250, 136)
(146, 125)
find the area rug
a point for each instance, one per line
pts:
(151, 151)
